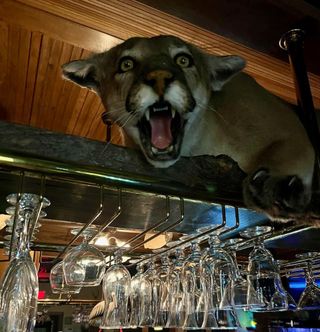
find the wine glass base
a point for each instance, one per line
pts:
(255, 231)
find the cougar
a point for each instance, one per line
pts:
(175, 100)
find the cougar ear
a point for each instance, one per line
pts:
(81, 72)
(223, 68)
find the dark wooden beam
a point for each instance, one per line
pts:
(203, 178)
(200, 178)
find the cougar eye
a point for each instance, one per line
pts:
(183, 60)
(126, 64)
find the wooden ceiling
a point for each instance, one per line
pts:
(38, 36)
(257, 24)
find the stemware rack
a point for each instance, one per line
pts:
(288, 267)
(295, 268)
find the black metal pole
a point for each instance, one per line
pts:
(293, 42)
(108, 124)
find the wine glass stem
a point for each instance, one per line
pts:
(309, 273)
(118, 258)
(23, 242)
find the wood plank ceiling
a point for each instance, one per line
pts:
(37, 36)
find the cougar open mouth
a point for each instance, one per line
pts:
(161, 131)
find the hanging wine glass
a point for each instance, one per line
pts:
(154, 311)
(116, 291)
(164, 272)
(238, 287)
(219, 269)
(194, 294)
(279, 300)
(10, 242)
(176, 299)
(263, 273)
(84, 265)
(19, 287)
(58, 283)
(140, 298)
(292, 305)
(310, 297)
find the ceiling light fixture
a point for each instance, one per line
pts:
(106, 241)
(102, 241)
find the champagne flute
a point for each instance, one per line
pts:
(19, 290)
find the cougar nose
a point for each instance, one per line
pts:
(159, 80)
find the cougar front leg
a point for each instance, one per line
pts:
(281, 183)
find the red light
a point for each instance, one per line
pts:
(41, 295)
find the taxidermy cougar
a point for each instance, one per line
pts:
(174, 100)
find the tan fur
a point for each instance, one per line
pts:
(225, 112)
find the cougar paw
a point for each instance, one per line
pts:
(280, 197)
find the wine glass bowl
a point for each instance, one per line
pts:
(140, 298)
(263, 273)
(84, 265)
(176, 315)
(193, 288)
(58, 283)
(255, 231)
(219, 272)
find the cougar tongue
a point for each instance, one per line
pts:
(161, 136)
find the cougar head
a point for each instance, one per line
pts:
(155, 88)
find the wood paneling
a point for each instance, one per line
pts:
(33, 92)
(4, 50)
(56, 27)
(3, 265)
(128, 18)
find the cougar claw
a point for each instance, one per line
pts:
(277, 196)
(260, 173)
